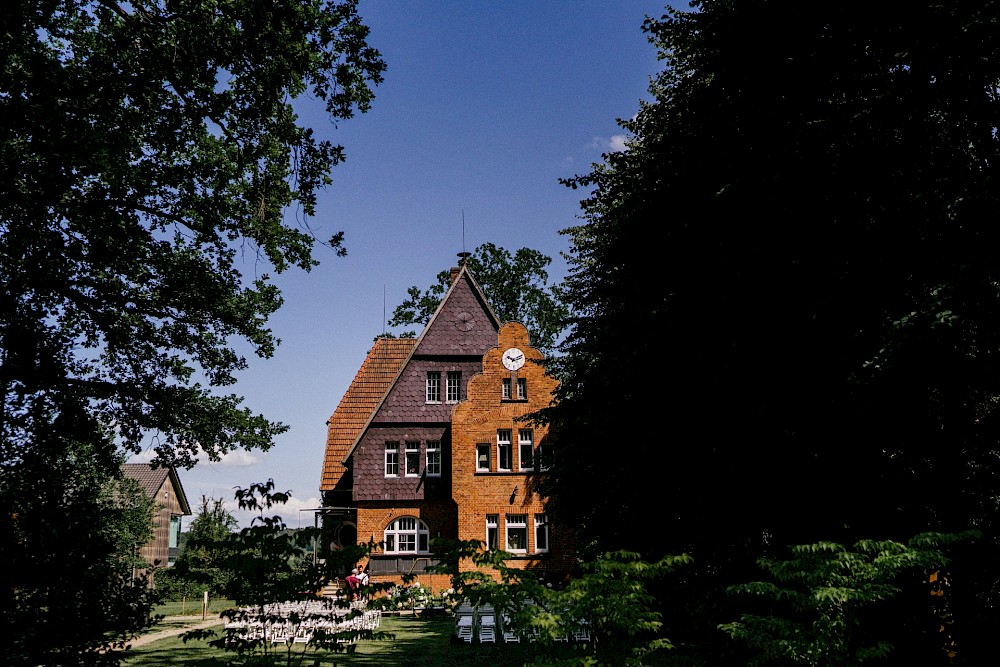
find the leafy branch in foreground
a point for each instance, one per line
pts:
(609, 597)
(271, 574)
(817, 599)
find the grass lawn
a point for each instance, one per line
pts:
(418, 642)
(192, 607)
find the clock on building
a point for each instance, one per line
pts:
(513, 359)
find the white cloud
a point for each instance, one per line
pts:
(617, 143)
(294, 513)
(614, 144)
(235, 459)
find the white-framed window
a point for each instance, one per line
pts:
(412, 459)
(454, 386)
(433, 458)
(433, 386)
(522, 389)
(541, 533)
(483, 456)
(517, 533)
(492, 531)
(504, 449)
(407, 535)
(505, 389)
(544, 456)
(525, 449)
(392, 459)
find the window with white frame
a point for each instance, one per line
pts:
(392, 459)
(412, 459)
(492, 531)
(544, 456)
(433, 458)
(517, 533)
(454, 386)
(522, 389)
(525, 449)
(433, 386)
(504, 449)
(541, 533)
(483, 456)
(406, 535)
(505, 392)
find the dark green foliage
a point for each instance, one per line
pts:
(198, 567)
(146, 148)
(73, 584)
(787, 287)
(820, 602)
(515, 285)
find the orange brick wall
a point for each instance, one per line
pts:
(476, 421)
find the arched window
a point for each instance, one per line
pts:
(407, 535)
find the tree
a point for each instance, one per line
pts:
(267, 566)
(516, 286)
(786, 286)
(200, 562)
(72, 589)
(148, 147)
(818, 598)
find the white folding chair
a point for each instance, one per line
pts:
(509, 635)
(464, 627)
(487, 629)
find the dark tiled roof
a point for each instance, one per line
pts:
(151, 479)
(374, 378)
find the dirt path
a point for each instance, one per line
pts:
(190, 623)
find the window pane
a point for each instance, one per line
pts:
(522, 388)
(482, 456)
(391, 459)
(433, 386)
(433, 458)
(454, 386)
(503, 450)
(541, 533)
(412, 459)
(505, 394)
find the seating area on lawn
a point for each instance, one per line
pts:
(301, 622)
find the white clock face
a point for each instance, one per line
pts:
(513, 359)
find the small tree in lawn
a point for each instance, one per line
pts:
(198, 567)
(267, 563)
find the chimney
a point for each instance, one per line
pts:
(461, 262)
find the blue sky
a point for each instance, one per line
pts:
(485, 105)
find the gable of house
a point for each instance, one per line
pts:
(163, 486)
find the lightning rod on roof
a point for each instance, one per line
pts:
(462, 255)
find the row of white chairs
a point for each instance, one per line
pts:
(481, 622)
(284, 632)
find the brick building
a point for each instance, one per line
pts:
(426, 443)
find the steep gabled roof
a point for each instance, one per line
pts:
(375, 377)
(151, 479)
(462, 274)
